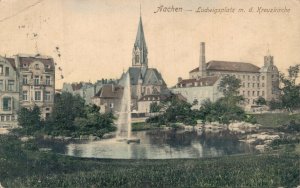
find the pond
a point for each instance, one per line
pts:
(159, 144)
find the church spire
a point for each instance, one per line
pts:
(140, 51)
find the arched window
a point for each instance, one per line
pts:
(137, 59)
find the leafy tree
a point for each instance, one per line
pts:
(176, 110)
(290, 91)
(66, 108)
(261, 101)
(230, 85)
(154, 107)
(29, 119)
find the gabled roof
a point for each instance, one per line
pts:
(153, 77)
(229, 66)
(110, 91)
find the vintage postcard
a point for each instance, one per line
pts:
(141, 93)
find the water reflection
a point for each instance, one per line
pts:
(160, 144)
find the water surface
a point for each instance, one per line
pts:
(160, 144)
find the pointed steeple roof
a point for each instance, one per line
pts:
(140, 41)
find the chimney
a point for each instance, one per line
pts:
(202, 62)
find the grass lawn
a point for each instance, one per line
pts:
(276, 119)
(20, 167)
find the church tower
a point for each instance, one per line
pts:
(140, 52)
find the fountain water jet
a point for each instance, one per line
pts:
(124, 119)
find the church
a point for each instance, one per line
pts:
(147, 84)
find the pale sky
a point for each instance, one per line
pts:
(95, 37)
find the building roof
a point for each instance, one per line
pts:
(27, 60)
(110, 91)
(12, 62)
(151, 76)
(229, 66)
(140, 41)
(204, 81)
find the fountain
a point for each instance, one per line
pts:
(124, 119)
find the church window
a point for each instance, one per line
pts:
(137, 59)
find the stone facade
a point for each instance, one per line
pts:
(25, 81)
(37, 82)
(256, 82)
(198, 90)
(9, 92)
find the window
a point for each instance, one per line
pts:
(25, 95)
(48, 80)
(258, 85)
(6, 104)
(37, 96)
(253, 85)
(48, 96)
(111, 105)
(1, 85)
(36, 80)
(137, 59)
(248, 93)
(263, 77)
(263, 93)
(243, 76)
(253, 93)
(1, 69)
(253, 78)
(11, 84)
(263, 85)
(257, 93)
(36, 66)
(6, 71)
(243, 84)
(243, 93)
(248, 77)
(25, 79)
(248, 84)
